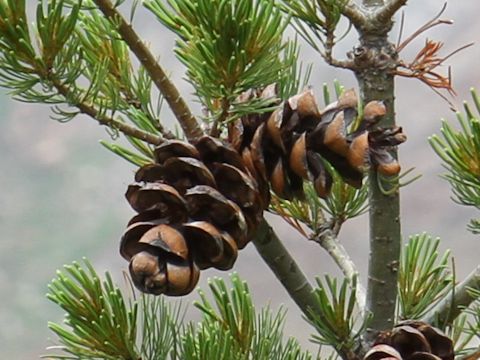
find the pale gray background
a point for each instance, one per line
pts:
(62, 193)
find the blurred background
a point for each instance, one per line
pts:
(62, 193)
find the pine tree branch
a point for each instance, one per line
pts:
(385, 242)
(384, 211)
(342, 64)
(91, 111)
(374, 3)
(290, 275)
(216, 127)
(354, 13)
(284, 267)
(178, 105)
(449, 308)
(335, 249)
(375, 14)
(328, 53)
(386, 12)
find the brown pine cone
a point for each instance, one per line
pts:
(412, 340)
(291, 144)
(199, 203)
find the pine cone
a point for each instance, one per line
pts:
(290, 145)
(199, 203)
(197, 206)
(412, 340)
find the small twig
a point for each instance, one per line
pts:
(448, 309)
(178, 105)
(91, 111)
(335, 249)
(343, 64)
(167, 134)
(328, 53)
(287, 271)
(385, 13)
(225, 106)
(285, 268)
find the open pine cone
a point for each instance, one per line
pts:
(412, 340)
(201, 202)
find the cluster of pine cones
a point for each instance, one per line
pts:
(201, 202)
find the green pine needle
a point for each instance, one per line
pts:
(162, 328)
(459, 150)
(77, 63)
(462, 331)
(228, 47)
(315, 20)
(344, 202)
(127, 154)
(471, 325)
(233, 309)
(99, 323)
(424, 277)
(232, 329)
(336, 319)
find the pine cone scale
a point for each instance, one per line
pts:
(129, 244)
(175, 148)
